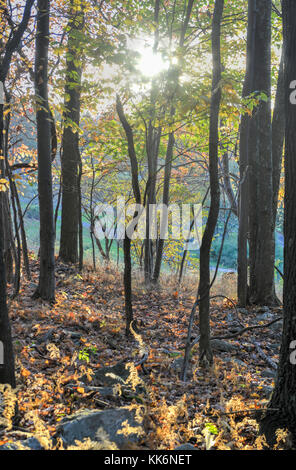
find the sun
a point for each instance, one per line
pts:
(151, 64)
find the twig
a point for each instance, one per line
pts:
(238, 333)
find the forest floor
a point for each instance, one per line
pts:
(85, 330)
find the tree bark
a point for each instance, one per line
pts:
(261, 231)
(70, 141)
(205, 350)
(137, 195)
(7, 369)
(46, 287)
(281, 411)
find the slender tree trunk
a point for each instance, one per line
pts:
(152, 150)
(165, 200)
(7, 371)
(7, 374)
(242, 262)
(170, 149)
(10, 255)
(80, 221)
(17, 210)
(282, 406)
(205, 351)
(227, 186)
(46, 287)
(70, 141)
(137, 195)
(127, 281)
(9, 243)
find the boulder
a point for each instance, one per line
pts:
(177, 364)
(109, 376)
(29, 444)
(101, 425)
(266, 391)
(222, 346)
(264, 309)
(186, 447)
(277, 327)
(243, 311)
(106, 377)
(265, 317)
(268, 373)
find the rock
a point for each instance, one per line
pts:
(30, 444)
(106, 391)
(234, 329)
(46, 337)
(275, 347)
(222, 346)
(185, 447)
(32, 285)
(108, 376)
(266, 390)
(264, 309)
(229, 318)
(243, 311)
(177, 364)
(277, 327)
(268, 373)
(74, 334)
(99, 425)
(266, 317)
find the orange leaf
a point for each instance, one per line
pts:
(25, 373)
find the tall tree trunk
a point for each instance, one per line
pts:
(281, 411)
(70, 142)
(261, 240)
(46, 287)
(205, 351)
(277, 151)
(242, 259)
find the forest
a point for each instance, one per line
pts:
(147, 227)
